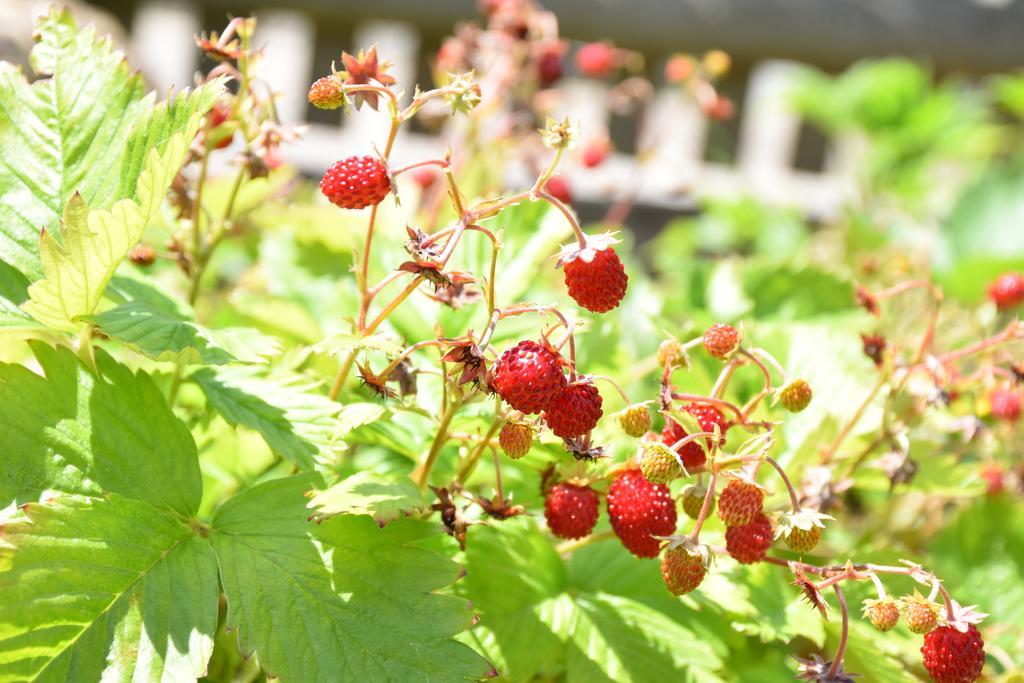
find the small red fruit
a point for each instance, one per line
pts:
(679, 68)
(425, 177)
(639, 511)
(549, 66)
(740, 502)
(557, 187)
(953, 656)
(683, 568)
(142, 255)
(528, 376)
(217, 117)
(571, 510)
(708, 416)
(515, 439)
(749, 543)
(574, 410)
(1007, 291)
(720, 340)
(598, 283)
(596, 152)
(596, 60)
(1005, 404)
(356, 182)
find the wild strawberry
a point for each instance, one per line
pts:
(921, 614)
(528, 376)
(639, 511)
(954, 656)
(558, 187)
(594, 275)
(693, 500)
(596, 60)
(549, 65)
(218, 116)
(142, 255)
(515, 439)
(803, 540)
(325, 93)
(994, 477)
(658, 463)
(795, 396)
(883, 613)
(801, 529)
(1005, 404)
(679, 68)
(750, 542)
(740, 502)
(596, 152)
(684, 565)
(635, 420)
(719, 108)
(670, 352)
(356, 182)
(574, 410)
(720, 340)
(1007, 291)
(571, 510)
(708, 416)
(424, 176)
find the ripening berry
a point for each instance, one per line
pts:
(142, 255)
(574, 410)
(356, 182)
(326, 93)
(596, 152)
(1007, 291)
(720, 340)
(750, 542)
(920, 614)
(708, 417)
(1005, 404)
(803, 540)
(528, 376)
(953, 656)
(740, 502)
(883, 614)
(658, 463)
(597, 283)
(596, 60)
(682, 569)
(795, 396)
(693, 500)
(671, 352)
(218, 116)
(639, 511)
(515, 439)
(571, 510)
(558, 187)
(635, 420)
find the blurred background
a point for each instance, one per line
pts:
(786, 144)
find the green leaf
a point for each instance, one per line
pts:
(104, 588)
(102, 573)
(167, 336)
(295, 421)
(342, 600)
(336, 344)
(74, 432)
(383, 498)
(13, 293)
(84, 126)
(95, 242)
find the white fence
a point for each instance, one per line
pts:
(162, 32)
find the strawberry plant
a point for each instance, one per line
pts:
(419, 423)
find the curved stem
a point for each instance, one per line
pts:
(764, 371)
(793, 499)
(852, 422)
(615, 384)
(705, 507)
(581, 237)
(837, 662)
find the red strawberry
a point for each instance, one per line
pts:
(1005, 404)
(356, 182)
(720, 340)
(574, 410)
(557, 187)
(683, 566)
(528, 376)
(325, 93)
(425, 177)
(640, 510)
(1007, 291)
(596, 280)
(749, 543)
(953, 656)
(217, 117)
(596, 59)
(549, 66)
(596, 152)
(740, 502)
(707, 417)
(571, 510)
(515, 439)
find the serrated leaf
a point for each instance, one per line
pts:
(94, 242)
(83, 126)
(74, 432)
(365, 493)
(166, 336)
(355, 415)
(351, 602)
(295, 420)
(337, 344)
(13, 293)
